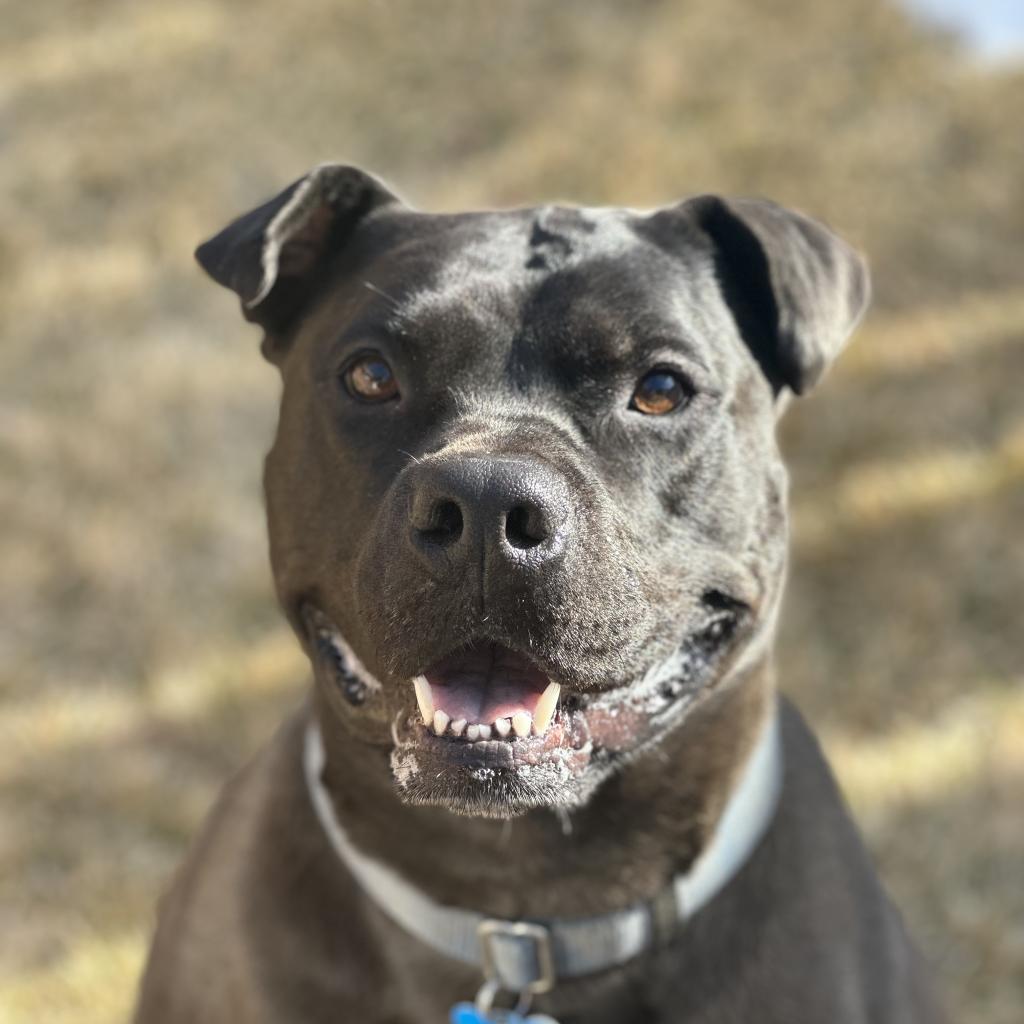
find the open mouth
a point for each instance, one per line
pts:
(491, 733)
(486, 692)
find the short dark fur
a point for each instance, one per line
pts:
(518, 338)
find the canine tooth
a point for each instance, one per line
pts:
(473, 732)
(521, 723)
(502, 726)
(425, 700)
(458, 726)
(485, 732)
(545, 708)
(441, 721)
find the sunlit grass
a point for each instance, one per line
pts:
(874, 495)
(42, 725)
(94, 983)
(160, 34)
(937, 336)
(926, 761)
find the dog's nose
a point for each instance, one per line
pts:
(494, 507)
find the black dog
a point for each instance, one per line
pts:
(528, 519)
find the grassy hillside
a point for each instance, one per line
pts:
(141, 657)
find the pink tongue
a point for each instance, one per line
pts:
(485, 683)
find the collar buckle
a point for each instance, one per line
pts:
(517, 956)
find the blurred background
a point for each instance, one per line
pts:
(141, 655)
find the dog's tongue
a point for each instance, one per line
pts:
(485, 683)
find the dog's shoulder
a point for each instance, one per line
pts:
(816, 846)
(200, 967)
(261, 912)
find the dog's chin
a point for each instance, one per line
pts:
(487, 732)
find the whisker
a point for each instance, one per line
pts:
(370, 286)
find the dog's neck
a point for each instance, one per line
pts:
(644, 825)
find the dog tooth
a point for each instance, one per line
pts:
(425, 700)
(485, 732)
(521, 723)
(545, 709)
(441, 721)
(502, 726)
(473, 732)
(458, 726)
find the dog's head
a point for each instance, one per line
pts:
(525, 501)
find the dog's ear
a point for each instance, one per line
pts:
(795, 288)
(273, 255)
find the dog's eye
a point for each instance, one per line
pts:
(660, 392)
(369, 378)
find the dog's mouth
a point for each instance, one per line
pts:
(486, 692)
(487, 730)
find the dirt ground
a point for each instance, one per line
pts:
(141, 656)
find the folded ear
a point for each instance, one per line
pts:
(273, 255)
(795, 289)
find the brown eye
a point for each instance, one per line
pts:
(659, 392)
(371, 379)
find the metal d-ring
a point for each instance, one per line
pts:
(491, 930)
(484, 1001)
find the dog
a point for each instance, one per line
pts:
(528, 520)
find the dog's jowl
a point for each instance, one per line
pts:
(528, 520)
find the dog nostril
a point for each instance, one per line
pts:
(445, 524)
(525, 527)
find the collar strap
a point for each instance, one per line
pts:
(529, 956)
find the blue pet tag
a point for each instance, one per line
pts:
(467, 1013)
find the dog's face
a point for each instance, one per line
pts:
(525, 501)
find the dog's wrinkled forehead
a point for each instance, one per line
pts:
(553, 236)
(514, 249)
(574, 288)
